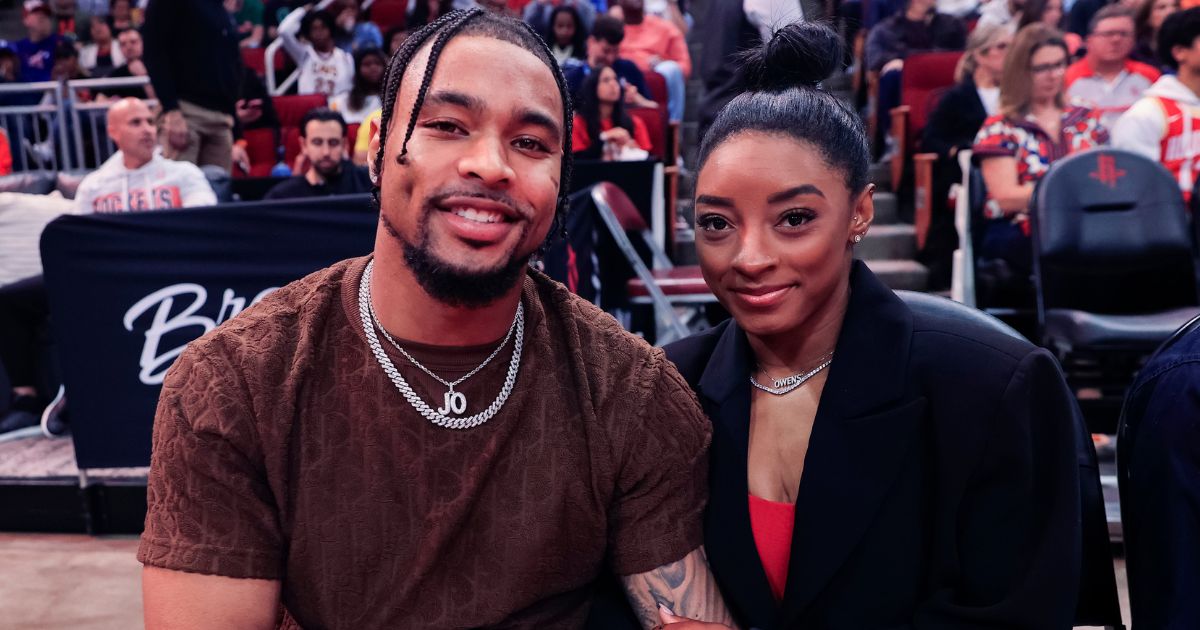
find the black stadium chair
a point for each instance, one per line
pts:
(1139, 466)
(1098, 603)
(1113, 271)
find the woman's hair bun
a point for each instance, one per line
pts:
(801, 54)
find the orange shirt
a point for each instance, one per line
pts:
(655, 37)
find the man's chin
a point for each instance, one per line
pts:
(475, 286)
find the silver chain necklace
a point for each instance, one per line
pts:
(787, 384)
(453, 402)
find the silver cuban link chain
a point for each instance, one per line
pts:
(454, 402)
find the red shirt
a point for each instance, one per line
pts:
(772, 523)
(580, 140)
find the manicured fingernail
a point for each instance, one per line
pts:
(664, 608)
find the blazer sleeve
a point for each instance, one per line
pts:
(949, 124)
(1015, 560)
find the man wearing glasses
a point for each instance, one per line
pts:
(1106, 79)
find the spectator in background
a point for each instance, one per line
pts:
(426, 11)
(103, 55)
(603, 47)
(137, 177)
(362, 99)
(919, 28)
(1149, 20)
(358, 31)
(673, 11)
(195, 67)
(66, 64)
(64, 17)
(1002, 12)
(324, 68)
(123, 16)
(248, 17)
(37, 50)
(362, 141)
(274, 12)
(393, 39)
(1106, 79)
(601, 129)
(567, 36)
(323, 144)
(1050, 13)
(1015, 148)
(254, 110)
(656, 45)
(951, 127)
(1161, 126)
(538, 13)
(131, 48)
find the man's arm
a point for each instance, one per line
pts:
(174, 600)
(687, 587)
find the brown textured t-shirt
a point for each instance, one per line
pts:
(283, 451)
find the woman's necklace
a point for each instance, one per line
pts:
(786, 384)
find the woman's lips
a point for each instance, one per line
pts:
(761, 297)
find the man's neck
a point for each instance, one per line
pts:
(1107, 70)
(916, 13)
(1190, 79)
(313, 177)
(133, 163)
(408, 312)
(632, 19)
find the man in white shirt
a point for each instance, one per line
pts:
(136, 177)
(324, 68)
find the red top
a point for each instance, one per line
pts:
(580, 140)
(772, 524)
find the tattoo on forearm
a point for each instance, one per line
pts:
(687, 587)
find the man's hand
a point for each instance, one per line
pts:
(893, 65)
(176, 128)
(249, 111)
(668, 618)
(686, 586)
(633, 98)
(241, 159)
(137, 68)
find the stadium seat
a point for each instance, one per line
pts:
(291, 145)
(658, 88)
(656, 125)
(1099, 604)
(926, 76)
(255, 59)
(666, 286)
(261, 148)
(388, 14)
(1113, 271)
(291, 109)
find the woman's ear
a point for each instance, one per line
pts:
(864, 214)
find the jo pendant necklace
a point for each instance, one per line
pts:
(454, 403)
(789, 383)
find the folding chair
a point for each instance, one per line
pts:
(664, 287)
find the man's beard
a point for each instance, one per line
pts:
(328, 172)
(448, 282)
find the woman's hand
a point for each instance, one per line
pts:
(618, 136)
(668, 618)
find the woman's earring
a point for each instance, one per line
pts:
(858, 238)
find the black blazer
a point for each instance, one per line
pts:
(940, 488)
(955, 121)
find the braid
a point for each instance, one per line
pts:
(442, 30)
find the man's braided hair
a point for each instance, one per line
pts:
(474, 21)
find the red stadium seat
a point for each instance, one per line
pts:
(656, 125)
(255, 59)
(925, 77)
(291, 109)
(351, 137)
(291, 145)
(658, 89)
(388, 14)
(260, 146)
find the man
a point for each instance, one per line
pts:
(1106, 79)
(324, 68)
(1001, 13)
(656, 45)
(323, 143)
(603, 47)
(135, 178)
(37, 50)
(434, 436)
(129, 42)
(731, 28)
(195, 67)
(1163, 124)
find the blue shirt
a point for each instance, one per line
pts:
(37, 59)
(575, 71)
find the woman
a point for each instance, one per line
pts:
(363, 98)
(122, 15)
(1150, 16)
(324, 68)
(1050, 13)
(871, 466)
(602, 129)
(103, 54)
(1015, 148)
(951, 128)
(567, 36)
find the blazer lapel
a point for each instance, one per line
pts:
(863, 432)
(725, 394)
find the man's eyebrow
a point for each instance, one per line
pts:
(540, 119)
(458, 99)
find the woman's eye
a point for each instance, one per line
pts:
(713, 224)
(797, 219)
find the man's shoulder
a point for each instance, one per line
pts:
(1079, 70)
(279, 323)
(1144, 70)
(290, 188)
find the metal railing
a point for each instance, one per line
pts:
(278, 89)
(60, 132)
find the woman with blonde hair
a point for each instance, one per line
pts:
(952, 127)
(1034, 127)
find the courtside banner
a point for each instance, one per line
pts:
(128, 291)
